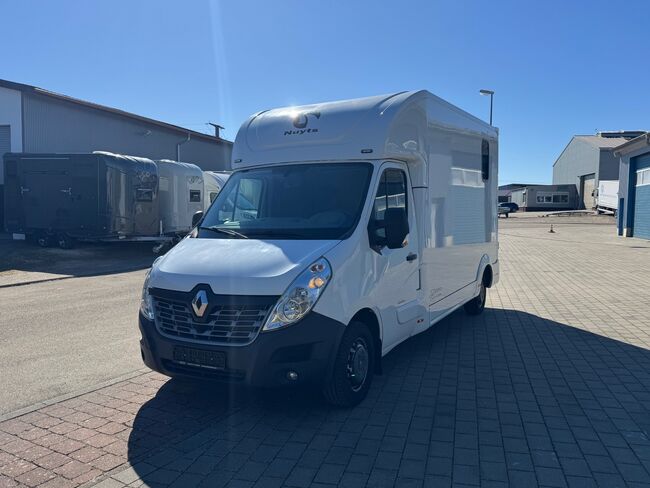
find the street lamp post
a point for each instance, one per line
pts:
(491, 93)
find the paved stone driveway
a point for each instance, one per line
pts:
(549, 387)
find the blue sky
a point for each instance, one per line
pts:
(558, 68)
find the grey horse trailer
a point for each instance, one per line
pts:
(92, 196)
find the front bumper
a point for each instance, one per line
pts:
(307, 348)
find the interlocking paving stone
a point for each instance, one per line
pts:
(550, 386)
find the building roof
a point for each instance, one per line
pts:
(603, 142)
(633, 144)
(512, 186)
(40, 91)
(551, 187)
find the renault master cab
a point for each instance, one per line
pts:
(345, 229)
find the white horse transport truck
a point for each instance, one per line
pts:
(345, 229)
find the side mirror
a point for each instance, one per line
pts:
(396, 226)
(196, 218)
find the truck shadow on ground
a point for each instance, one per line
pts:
(504, 387)
(85, 259)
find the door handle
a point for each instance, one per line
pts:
(411, 256)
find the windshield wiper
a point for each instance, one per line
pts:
(278, 234)
(229, 232)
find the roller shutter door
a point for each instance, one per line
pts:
(642, 198)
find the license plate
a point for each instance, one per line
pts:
(198, 357)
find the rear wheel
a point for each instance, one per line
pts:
(476, 305)
(353, 367)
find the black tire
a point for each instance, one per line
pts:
(356, 354)
(65, 241)
(476, 305)
(44, 240)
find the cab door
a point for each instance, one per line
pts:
(396, 270)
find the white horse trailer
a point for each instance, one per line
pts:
(180, 195)
(213, 182)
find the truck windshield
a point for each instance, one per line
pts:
(298, 201)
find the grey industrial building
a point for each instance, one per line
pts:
(588, 159)
(634, 187)
(35, 120)
(504, 191)
(545, 197)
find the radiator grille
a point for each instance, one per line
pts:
(234, 324)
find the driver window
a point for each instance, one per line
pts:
(243, 201)
(390, 193)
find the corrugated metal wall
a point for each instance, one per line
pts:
(641, 219)
(52, 125)
(517, 196)
(579, 158)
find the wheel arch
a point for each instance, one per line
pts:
(484, 272)
(488, 276)
(368, 317)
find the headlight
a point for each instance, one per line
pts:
(301, 296)
(146, 302)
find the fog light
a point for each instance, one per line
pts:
(292, 375)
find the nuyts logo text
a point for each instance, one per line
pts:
(299, 131)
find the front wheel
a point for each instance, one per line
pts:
(353, 369)
(476, 305)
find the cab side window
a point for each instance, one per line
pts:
(391, 193)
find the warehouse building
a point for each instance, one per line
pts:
(39, 121)
(634, 187)
(587, 159)
(504, 191)
(545, 197)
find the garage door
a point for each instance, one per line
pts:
(642, 198)
(588, 186)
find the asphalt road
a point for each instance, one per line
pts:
(62, 336)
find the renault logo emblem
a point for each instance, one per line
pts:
(200, 303)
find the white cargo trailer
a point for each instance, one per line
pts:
(607, 198)
(345, 229)
(180, 195)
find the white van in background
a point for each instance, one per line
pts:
(607, 196)
(345, 229)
